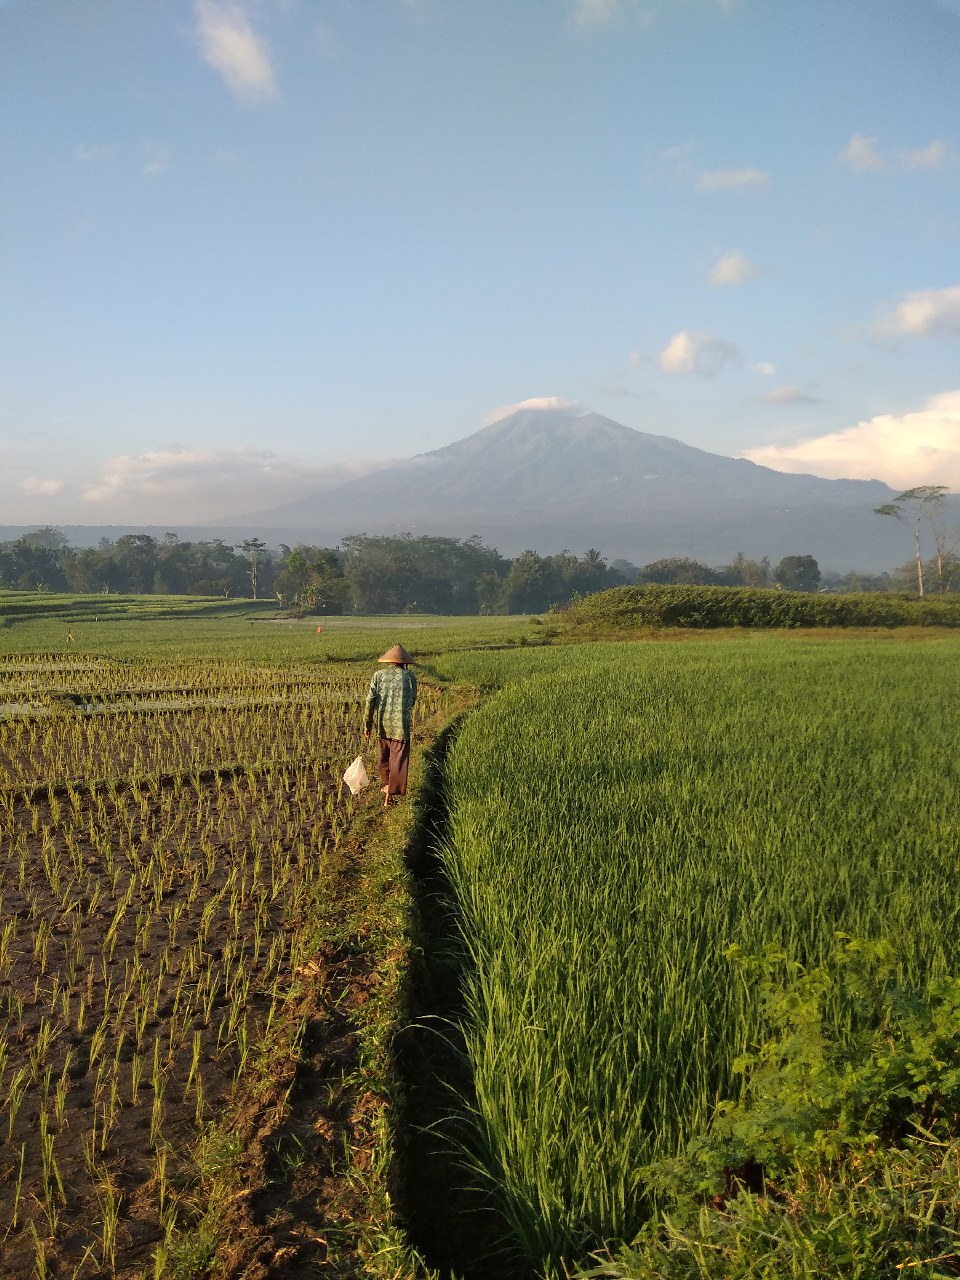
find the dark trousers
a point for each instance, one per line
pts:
(393, 762)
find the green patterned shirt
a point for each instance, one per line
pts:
(390, 699)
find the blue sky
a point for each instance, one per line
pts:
(247, 245)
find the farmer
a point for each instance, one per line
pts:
(390, 699)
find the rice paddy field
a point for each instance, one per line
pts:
(171, 833)
(620, 817)
(617, 821)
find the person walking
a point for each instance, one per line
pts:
(390, 699)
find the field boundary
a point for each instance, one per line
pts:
(366, 939)
(431, 1128)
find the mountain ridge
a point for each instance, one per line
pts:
(552, 478)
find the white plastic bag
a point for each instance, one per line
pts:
(356, 776)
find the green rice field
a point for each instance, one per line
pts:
(620, 816)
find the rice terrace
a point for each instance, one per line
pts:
(656, 971)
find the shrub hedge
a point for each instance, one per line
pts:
(654, 605)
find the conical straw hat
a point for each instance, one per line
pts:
(397, 654)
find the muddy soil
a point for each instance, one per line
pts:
(152, 954)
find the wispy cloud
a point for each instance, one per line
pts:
(617, 391)
(12, 446)
(325, 44)
(591, 13)
(230, 45)
(733, 180)
(94, 152)
(535, 402)
(175, 483)
(922, 447)
(921, 314)
(789, 395)
(678, 164)
(863, 155)
(693, 351)
(156, 158)
(678, 161)
(43, 488)
(935, 155)
(733, 268)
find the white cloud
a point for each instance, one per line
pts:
(617, 391)
(156, 157)
(692, 351)
(732, 179)
(42, 488)
(176, 484)
(733, 268)
(230, 45)
(789, 395)
(588, 13)
(922, 313)
(535, 402)
(922, 447)
(864, 156)
(861, 154)
(933, 156)
(764, 368)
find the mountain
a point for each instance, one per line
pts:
(555, 478)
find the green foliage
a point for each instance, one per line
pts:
(842, 1155)
(135, 562)
(742, 572)
(679, 606)
(681, 571)
(534, 583)
(798, 573)
(417, 575)
(311, 580)
(367, 575)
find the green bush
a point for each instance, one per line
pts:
(654, 605)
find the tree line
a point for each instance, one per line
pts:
(382, 574)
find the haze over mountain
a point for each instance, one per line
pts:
(556, 478)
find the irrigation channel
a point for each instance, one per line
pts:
(449, 1222)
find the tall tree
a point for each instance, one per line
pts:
(911, 508)
(135, 555)
(798, 573)
(46, 538)
(253, 548)
(679, 570)
(742, 572)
